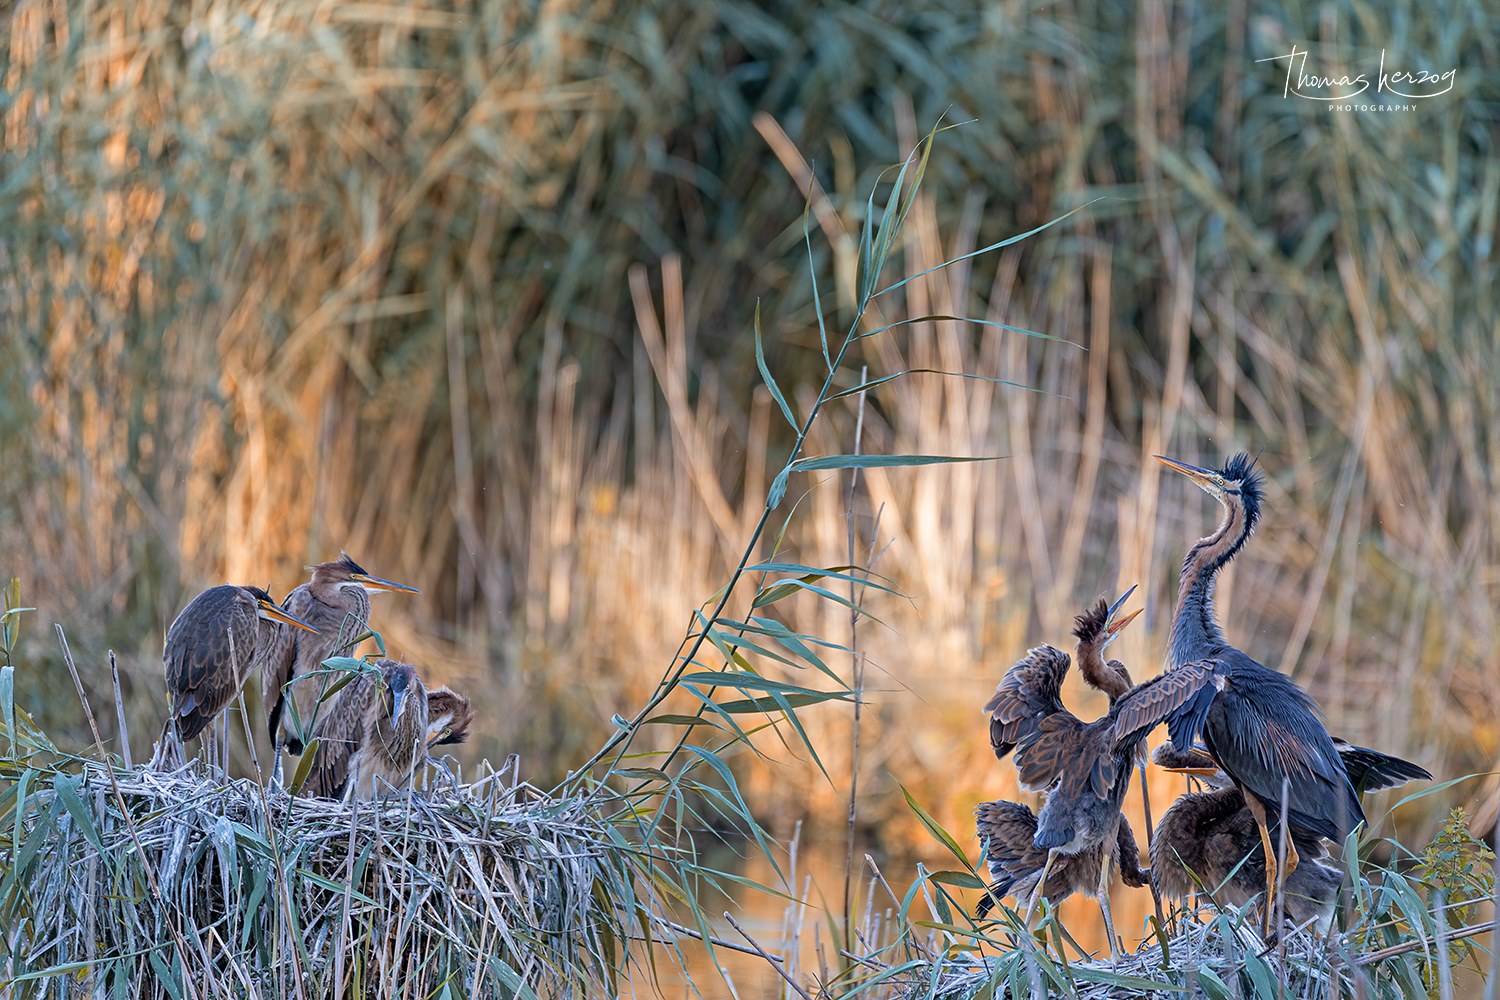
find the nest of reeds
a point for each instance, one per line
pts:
(181, 885)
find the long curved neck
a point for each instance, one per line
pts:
(1195, 628)
(348, 598)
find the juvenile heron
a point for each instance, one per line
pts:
(1006, 831)
(1084, 768)
(373, 736)
(449, 716)
(1032, 689)
(1208, 842)
(337, 601)
(1262, 729)
(213, 645)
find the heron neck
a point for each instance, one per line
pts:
(1195, 627)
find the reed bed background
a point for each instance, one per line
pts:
(468, 290)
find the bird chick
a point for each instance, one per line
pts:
(374, 735)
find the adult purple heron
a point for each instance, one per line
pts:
(337, 601)
(1263, 730)
(1084, 768)
(373, 736)
(223, 634)
(1207, 842)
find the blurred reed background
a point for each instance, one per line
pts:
(467, 289)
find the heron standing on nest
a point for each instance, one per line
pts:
(337, 601)
(373, 736)
(1084, 768)
(1263, 730)
(1207, 842)
(214, 644)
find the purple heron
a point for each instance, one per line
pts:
(1264, 731)
(1207, 842)
(1084, 768)
(337, 601)
(214, 644)
(373, 736)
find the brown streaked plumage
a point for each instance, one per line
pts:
(449, 715)
(1084, 768)
(1208, 841)
(337, 602)
(1007, 829)
(1095, 629)
(373, 736)
(223, 634)
(1032, 689)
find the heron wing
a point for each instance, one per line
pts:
(1265, 730)
(1029, 691)
(1180, 698)
(339, 734)
(1005, 832)
(204, 669)
(1370, 770)
(1058, 742)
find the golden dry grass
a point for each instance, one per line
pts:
(468, 292)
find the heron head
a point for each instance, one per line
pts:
(345, 572)
(1237, 484)
(399, 684)
(266, 609)
(1100, 625)
(448, 716)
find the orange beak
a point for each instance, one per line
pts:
(376, 584)
(273, 611)
(1201, 476)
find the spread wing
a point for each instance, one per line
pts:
(1057, 742)
(1029, 691)
(1005, 832)
(1180, 698)
(203, 672)
(1370, 770)
(339, 735)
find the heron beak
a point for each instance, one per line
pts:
(1203, 477)
(1115, 607)
(1113, 629)
(375, 584)
(400, 697)
(1197, 772)
(272, 611)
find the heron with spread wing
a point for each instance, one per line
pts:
(1084, 768)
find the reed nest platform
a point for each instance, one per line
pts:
(1218, 955)
(142, 884)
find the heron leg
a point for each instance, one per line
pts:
(1036, 894)
(1258, 810)
(1103, 896)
